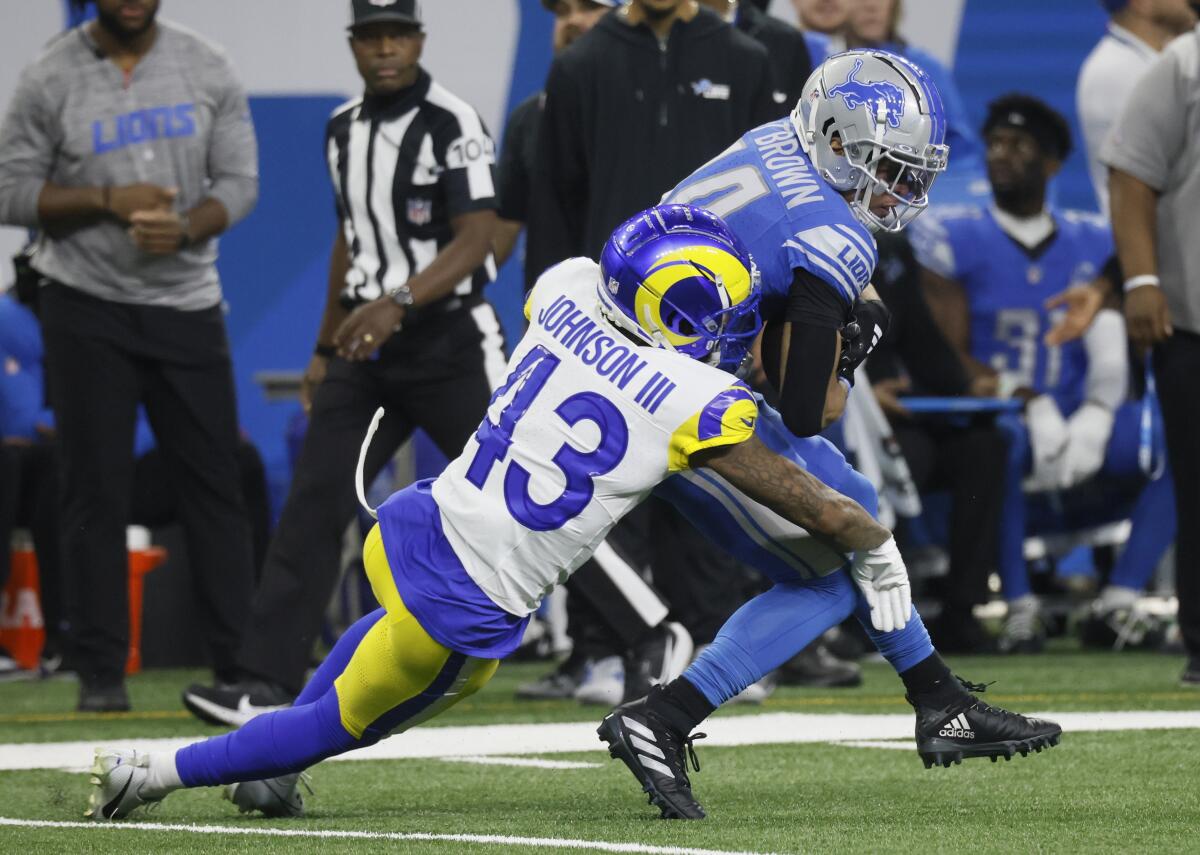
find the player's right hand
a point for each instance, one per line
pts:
(1147, 317)
(126, 200)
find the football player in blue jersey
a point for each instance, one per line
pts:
(805, 193)
(622, 379)
(989, 271)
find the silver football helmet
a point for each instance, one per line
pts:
(890, 130)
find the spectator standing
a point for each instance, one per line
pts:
(1154, 160)
(1137, 31)
(874, 24)
(647, 95)
(405, 327)
(518, 150)
(822, 22)
(786, 46)
(129, 145)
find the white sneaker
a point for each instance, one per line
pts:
(273, 797)
(1114, 598)
(117, 781)
(1024, 631)
(756, 693)
(603, 682)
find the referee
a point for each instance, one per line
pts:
(405, 327)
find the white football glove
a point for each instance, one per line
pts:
(1048, 439)
(1088, 431)
(881, 576)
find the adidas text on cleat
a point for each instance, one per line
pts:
(117, 781)
(971, 728)
(656, 756)
(273, 797)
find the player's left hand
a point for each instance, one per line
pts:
(1088, 431)
(157, 232)
(881, 576)
(865, 329)
(1082, 302)
(364, 331)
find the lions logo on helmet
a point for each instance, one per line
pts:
(872, 122)
(676, 277)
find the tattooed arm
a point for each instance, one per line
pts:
(794, 494)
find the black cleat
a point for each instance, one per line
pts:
(968, 727)
(655, 755)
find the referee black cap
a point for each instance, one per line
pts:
(364, 12)
(1046, 125)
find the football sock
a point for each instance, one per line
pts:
(930, 682)
(767, 631)
(902, 648)
(161, 775)
(680, 705)
(282, 741)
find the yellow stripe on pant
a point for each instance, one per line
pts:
(399, 676)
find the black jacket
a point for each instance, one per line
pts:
(791, 63)
(625, 120)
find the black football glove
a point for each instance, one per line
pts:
(867, 326)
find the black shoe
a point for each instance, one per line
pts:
(234, 704)
(658, 660)
(1190, 679)
(967, 727)
(656, 755)
(816, 666)
(559, 684)
(103, 697)
(956, 630)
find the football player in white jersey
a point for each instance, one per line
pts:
(622, 379)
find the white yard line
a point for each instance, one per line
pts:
(498, 839)
(492, 740)
(531, 762)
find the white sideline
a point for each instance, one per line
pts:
(493, 740)
(536, 842)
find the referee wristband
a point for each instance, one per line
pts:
(326, 350)
(1138, 281)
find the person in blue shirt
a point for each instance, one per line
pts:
(988, 273)
(28, 464)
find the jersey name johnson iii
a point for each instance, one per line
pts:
(583, 428)
(766, 188)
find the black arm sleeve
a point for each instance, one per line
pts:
(816, 313)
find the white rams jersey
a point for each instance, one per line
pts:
(584, 427)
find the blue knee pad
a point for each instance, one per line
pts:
(767, 631)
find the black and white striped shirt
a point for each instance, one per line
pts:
(402, 168)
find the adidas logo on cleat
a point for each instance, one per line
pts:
(957, 728)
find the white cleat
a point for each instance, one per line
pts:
(117, 780)
(273, 797)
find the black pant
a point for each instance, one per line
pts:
(102, 360)
(969, 460)
(433, 375)
(29, 498)
(156, 501)
(1176, 367)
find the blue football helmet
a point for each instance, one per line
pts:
(676, 277)
(890, 123)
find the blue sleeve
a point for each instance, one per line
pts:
(842, 256)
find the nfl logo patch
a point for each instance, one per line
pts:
(420, 211)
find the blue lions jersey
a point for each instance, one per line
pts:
(766, 189)
(1007, 286)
